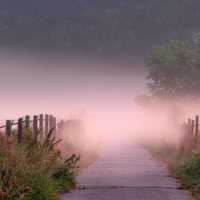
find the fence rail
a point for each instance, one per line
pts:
(38, 124)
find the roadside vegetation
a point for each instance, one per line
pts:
(173, 75)
(184, 164)
(35, 170)
(173, 72)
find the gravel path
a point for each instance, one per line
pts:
(127, 172)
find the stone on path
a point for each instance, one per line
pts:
(127, 172)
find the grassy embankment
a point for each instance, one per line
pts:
(183, 160)
(34, 170)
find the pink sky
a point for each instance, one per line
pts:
(68, 88)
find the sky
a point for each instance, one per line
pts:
(67, 87)
(84, 58)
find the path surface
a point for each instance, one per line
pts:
(127, 172)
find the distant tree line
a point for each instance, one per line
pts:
(174, 70)
(105, 27)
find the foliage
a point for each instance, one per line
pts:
(27, 170)
(106, 26)
(183, 161)
(64, 175)
(189, 173)
(174, 70)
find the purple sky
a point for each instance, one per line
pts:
(66, 87)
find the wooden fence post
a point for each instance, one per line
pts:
(35, 126)
(51, 122)
(27, 121)
(8, 127)
(46, 124)
(197, 126)
(192, 127)
(189, 126)
(54, 125)
(20, 130)
(41, 128)
(59, 128)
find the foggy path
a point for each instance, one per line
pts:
(126, 172)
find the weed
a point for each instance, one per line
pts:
(34, 170)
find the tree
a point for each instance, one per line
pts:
(174, 70)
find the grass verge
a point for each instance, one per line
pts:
(34, 170)
(183, 164)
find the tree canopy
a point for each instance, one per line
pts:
(102, 27)
(174, 70)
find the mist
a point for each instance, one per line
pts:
(69, 87)
(100, 93)
(85, 60)
(95, 95)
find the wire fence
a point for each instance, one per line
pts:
(37, 124)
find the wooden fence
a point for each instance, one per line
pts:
(39, 125)
(191, 131)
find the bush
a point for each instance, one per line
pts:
(64, 175)
(184, 164)
(34, 170)
(189, 173)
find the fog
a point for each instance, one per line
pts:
(100, 93)
(64, 86)
(109, 41)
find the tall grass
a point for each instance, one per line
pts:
(34, 170)
(183, 160)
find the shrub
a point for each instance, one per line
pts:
(184, 164)
(34, 170)
(189, 173)
(65, 176)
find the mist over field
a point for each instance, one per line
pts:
(94, 94)
(85, 59)
(101, 93)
